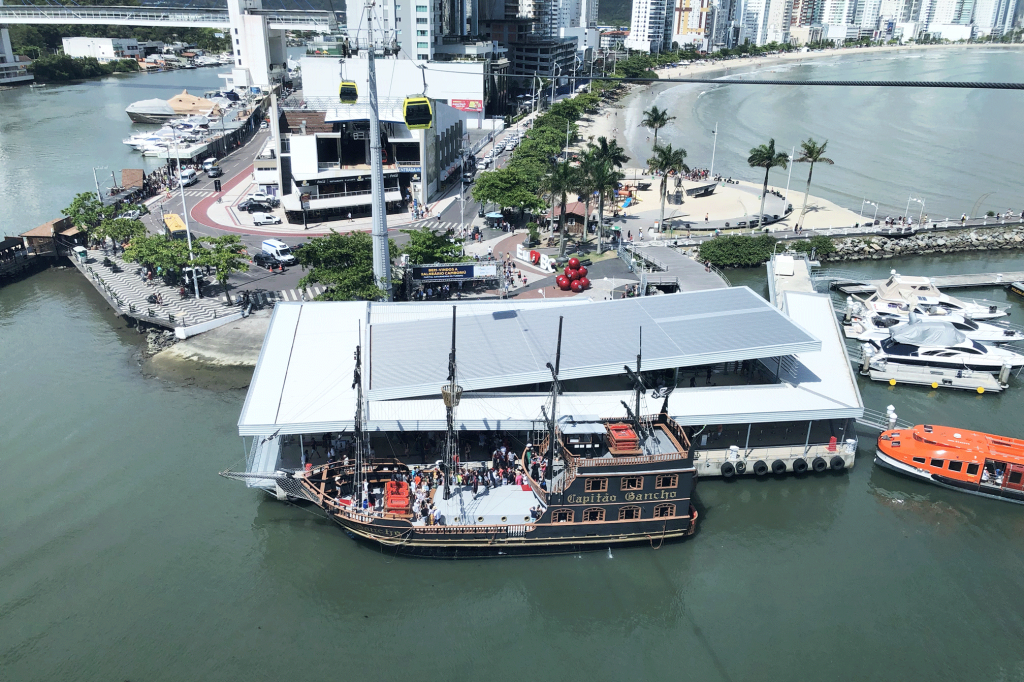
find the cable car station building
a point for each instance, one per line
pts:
(768, 390)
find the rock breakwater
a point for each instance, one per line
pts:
(878, 247)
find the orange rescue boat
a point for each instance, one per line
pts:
(968, 461)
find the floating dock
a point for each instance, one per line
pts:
(968, 380)
(981, 279)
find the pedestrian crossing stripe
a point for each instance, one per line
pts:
(198, 192)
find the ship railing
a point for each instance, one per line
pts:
(630, 460)
(512, 530)
(881, 421)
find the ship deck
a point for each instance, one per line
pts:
(504, 504)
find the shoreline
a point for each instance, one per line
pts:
(607, 123)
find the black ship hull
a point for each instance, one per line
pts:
(445, 542)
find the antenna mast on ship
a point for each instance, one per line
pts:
(359, 436)
(639, 388)
(452, 394)
(555, 390)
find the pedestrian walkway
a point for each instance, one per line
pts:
(199, 192)
(691, 275)
(124, 286)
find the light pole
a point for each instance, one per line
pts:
(97, 182)
(786, 198)
(906, 214)
(558, 72)
(184, 211)
(714, 146)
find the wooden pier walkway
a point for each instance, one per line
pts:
(981, 279)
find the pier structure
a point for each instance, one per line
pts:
(765, 391)
(854, 285)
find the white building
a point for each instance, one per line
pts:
(994, 17)
(765, 21)
(103, 49)
(692, 23)
(11, 70)
(651, 26)
(951, 32)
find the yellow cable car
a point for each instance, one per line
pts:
(418, 113)
(348, 93)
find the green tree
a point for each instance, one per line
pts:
(227, 255)
(507, 187)
(121, 230)
(427, 246)
(811, 152)
(610, 152)
(656, 119)
(765, 156)
(605, 181)
(344, 264)
(667, 160)
(559, 181)
(156, 251)
(88, 213)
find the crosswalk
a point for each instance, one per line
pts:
(199, 192)
(268, 297)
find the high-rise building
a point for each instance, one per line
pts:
(805, 12)
(651, 25)
(994, 17)
(11, 69)
(691, 24)
(834, 12)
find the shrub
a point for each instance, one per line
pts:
(737, 251)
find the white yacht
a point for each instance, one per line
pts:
(865, 326)
(150, 111)
(901, 295)
(931, 343)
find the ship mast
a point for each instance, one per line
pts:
(555, 390)
(359, 436)
(639, 388)
(451, 393)
(381, 252)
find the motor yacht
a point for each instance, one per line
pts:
(930, 343)
(865, 326)
(901, 295)
(968, 461)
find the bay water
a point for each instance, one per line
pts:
(123, 555)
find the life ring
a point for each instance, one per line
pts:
(838, 463)
(728, 469)
(741, 467)
(819, 464)
(778, 467)
(535, 257)
(799, 465)
(760, 468)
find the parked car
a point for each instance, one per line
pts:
(215, 172)
(264, 198)
(264, 125)
(252, 206)
(131, 215)
(263, 259)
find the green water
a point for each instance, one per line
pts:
(123, 556)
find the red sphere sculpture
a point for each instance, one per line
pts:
(582, 271)
(562, 282)
(584, 282)
(576, 286)
(574, 274)
(567, 271)
(574, 263)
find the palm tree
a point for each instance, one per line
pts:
(811, 152)
(667, 160)
(766, 157)
(584, 183)
(558, 182)
(604, 180)
(610, 151)
(655, 119)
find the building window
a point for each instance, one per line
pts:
(593, 514)
(629, 513)
(596, 485)
(236, 31)
(422, 33)
(238, 52)
(632, 483)
(422, 8)
(423, 56)
(972, 469)
(422, 20)
(667, 481)
(239, 62)
(663, 510)
(956, 466)
(237, 41)
(561, 516)
(423, 46)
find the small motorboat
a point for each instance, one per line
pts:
(968, 461)
(901, 295)
(37, 85)
(931, 343)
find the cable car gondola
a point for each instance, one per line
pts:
(348, 93)
(418, 113)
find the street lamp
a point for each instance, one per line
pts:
(184, 211)
(870, 203)
(921, 214)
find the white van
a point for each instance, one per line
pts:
(188, 177)
(209, 163)
(265, 219)
(278, 250)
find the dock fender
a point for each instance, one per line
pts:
(837, 463)
(760, 467)
(727, 469)
(819, 464)
(778, 467)
(799, 465)
(741, 467)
